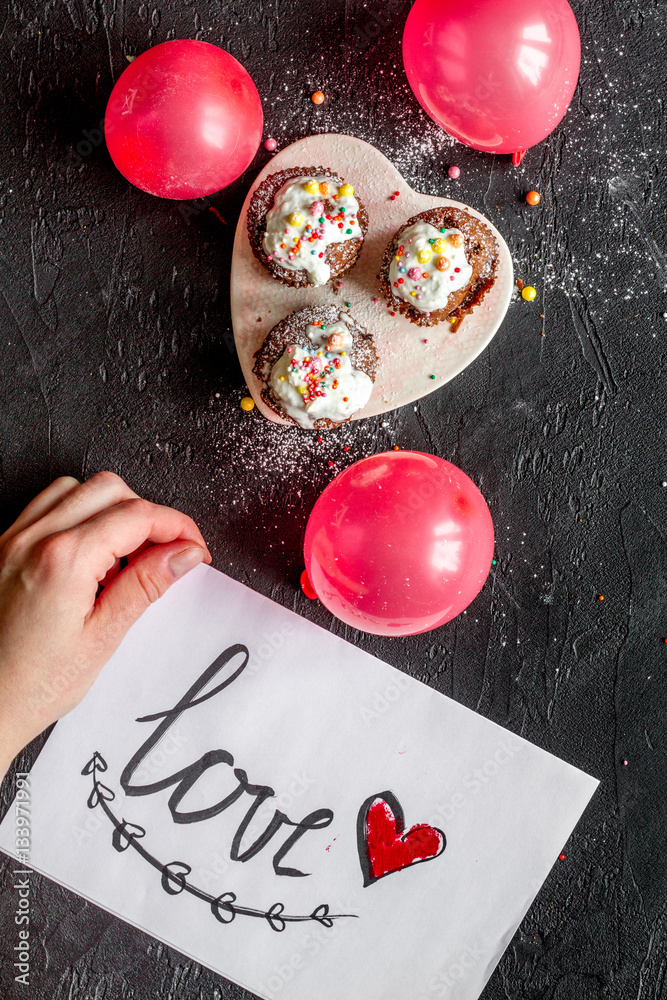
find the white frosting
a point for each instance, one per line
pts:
(407, 272)
(319, 382)
(302, 246)
(336, 334)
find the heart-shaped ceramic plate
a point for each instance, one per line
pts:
(406, 363)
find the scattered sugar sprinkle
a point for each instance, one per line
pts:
(276, 463)
(270, 456)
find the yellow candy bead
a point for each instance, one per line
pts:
(247, 403)
(443, 264)
(529, 293)
(295, 219)
(282, 378)
(438, 246)
(345, 191)
(455, 239)
(310, 187)
(424, 256)
(325, 188)
(302, 389)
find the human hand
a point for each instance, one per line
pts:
(56, 630)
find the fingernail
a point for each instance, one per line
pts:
(184, 561)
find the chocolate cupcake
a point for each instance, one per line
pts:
(317, 367)
(306, 226)
(439, 266)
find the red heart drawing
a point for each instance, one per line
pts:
(383, 845)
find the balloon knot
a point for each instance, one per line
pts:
(307, 587)
(518, 157)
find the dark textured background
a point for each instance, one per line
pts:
(116, 353)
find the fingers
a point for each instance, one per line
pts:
(97, 494)
(111, 574)
(138, 551)
(141, 583)
(66, 503)
(43, 503)
(126, 526)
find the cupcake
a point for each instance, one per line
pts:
(317, 367)
(306, 226)
(439, 266)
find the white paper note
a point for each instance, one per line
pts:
(292, 812)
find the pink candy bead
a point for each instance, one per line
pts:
(454, 172)
(270, 144)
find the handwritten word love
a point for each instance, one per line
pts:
(186, 778)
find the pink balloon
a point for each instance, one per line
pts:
(498, 75)
(399, 543)
(183, 120)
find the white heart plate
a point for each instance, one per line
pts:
(405, 362)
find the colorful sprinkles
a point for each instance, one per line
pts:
(317, 224)
(318, 370)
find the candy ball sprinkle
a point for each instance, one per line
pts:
(271, 145)
(454, 172)
(317, 97)
(529, 293)
(533, 198)
(247, 403)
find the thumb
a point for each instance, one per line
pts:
(140, 584)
